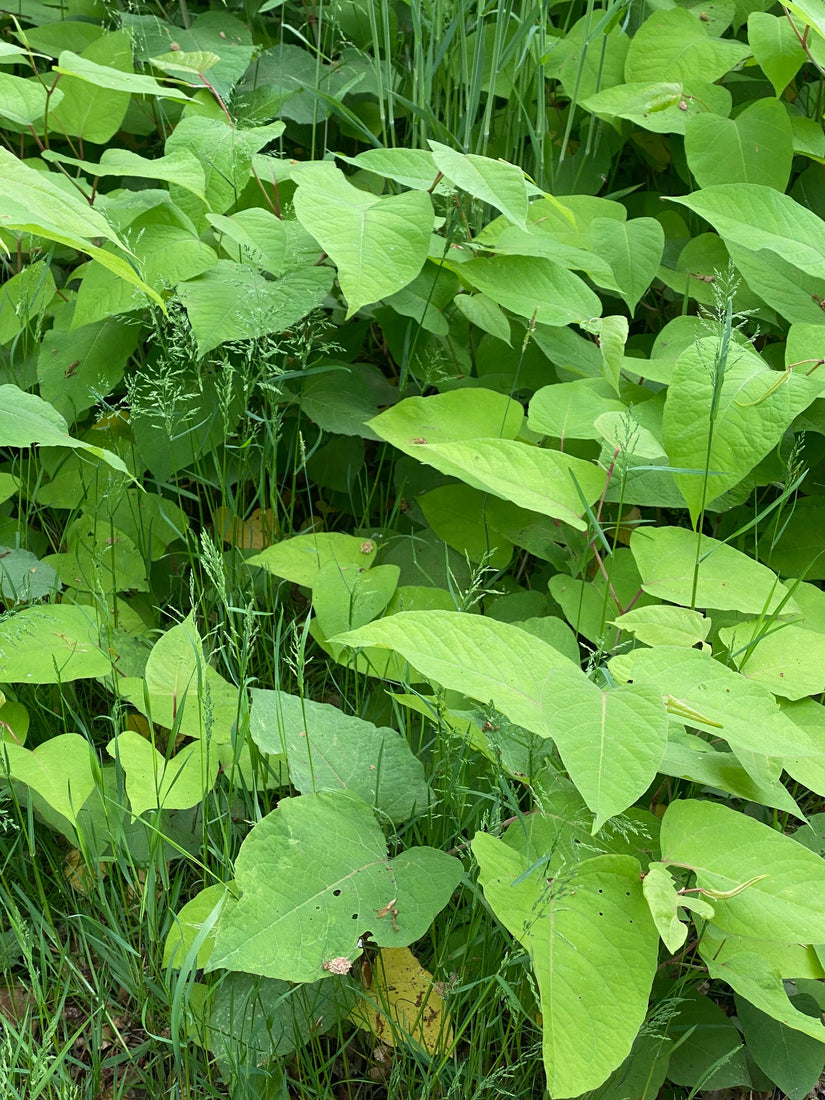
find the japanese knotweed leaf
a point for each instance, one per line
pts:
(153, 782)
(378, 243)
(754, 408)
(63, 771)
(756, 970)
(593, 946)
(301, 558)
(26, 419)
(726, 849)
(708, 695)
(500, 184)
(314, 877)
(727, 579)
(328, 750)
(762, 219)
(611, 742)
(50, 644)
(470, 434)
(180, 691)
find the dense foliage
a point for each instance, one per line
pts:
(412, 528)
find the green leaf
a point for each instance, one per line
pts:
(24, 102)
(663, 625)
(755, 147)
(378, 244)
(113, 79)
(533, 287)
(49, 644)
(413, 168)
(63, 771)
(760, 218)
(569, 410)
(664, 902)
(181, 691)
(95, 87)
(674, 44)
(788, 658)
(725, 849)
(26, 419)
(540, 689)
(726, 580)
(25, 297)
(663, 108)
(634, 251)
(51, 212)
(193, 62)
(340, 400)
(485, 314)
(753, 409)
(299, 559)
(755, 970)
(458, 515)
(260, 236)
(610, 766)
(188, 923)
(23, 578)
(792, 1060)
(449, 417)
(593, 947)
(345, 597)
(692, 758)
(232, 302)
(549, 482)
(776, 48)
(811, 14)
(495, 182)
(155, 783)
(704, 1036)
(180, 167)
(335, 882)
(709, 696)
(72, 367)
(328, 750)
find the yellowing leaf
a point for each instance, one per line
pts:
(254, 533)
(402, 1004)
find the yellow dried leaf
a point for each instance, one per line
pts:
(403, 1005)
(255, 533)
(78, 875)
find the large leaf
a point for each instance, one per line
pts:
(315, 877)
(94, 103)
(776, 48)
(180, 690)
(299, 559)
(233, 302)
(593, 946)
(611, 742)
(180, 167)
(378, 244)
(533, 287)
(710, 696)
(116, 80)
(791, 1059)
(726, 849)
(725, 579)
(753, 408)
(155, 783)
(758, 217)
(634, 251)
(62, 771)
(500, 184)
(674, 44)
(26, 420)
(328, 750)
(755, 147)
(50, 644)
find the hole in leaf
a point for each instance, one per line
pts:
(355, 916)
(336, 893)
